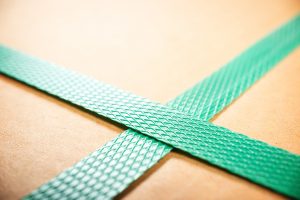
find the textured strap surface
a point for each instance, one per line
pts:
(210, 142)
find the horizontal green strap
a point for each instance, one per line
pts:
(237, 153)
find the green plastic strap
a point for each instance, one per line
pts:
(215, 144)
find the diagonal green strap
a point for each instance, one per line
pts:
(172, 119)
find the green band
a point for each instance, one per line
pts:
(261, 163)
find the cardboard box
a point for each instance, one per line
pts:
(156, 49)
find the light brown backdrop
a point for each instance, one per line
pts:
(156, 49)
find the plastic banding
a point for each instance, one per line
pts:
(181, 124)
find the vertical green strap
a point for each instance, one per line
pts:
(112, 168)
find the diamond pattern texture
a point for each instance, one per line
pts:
(109, 170)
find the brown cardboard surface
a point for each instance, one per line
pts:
(156, 49)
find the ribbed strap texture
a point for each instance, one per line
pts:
(182, 128)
